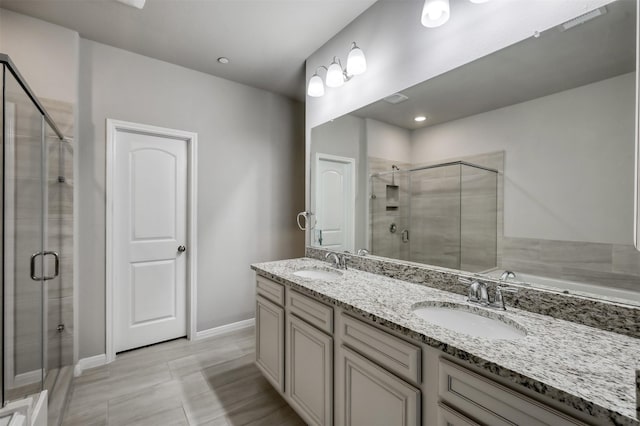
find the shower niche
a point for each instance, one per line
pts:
(444, 215)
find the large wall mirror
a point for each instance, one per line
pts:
(523, 161)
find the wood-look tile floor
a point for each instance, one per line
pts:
(207, 382)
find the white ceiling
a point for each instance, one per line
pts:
(267, 41)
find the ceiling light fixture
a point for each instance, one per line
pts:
(437, 12)
(138, 4)
(420, 118)
(223, 60)
(336, 74)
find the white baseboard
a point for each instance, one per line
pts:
(224, 329)
(28, 378)
(91, 362)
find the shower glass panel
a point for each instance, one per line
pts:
(442, 215)
(24, 305)
(478, 219)
(435, 216)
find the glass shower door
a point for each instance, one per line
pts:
(24, 255)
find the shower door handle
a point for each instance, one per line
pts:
(56, 272)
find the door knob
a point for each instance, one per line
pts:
(182, 249)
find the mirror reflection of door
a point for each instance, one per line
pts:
(335, 195)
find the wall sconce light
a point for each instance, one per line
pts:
(437, 12)
(336, 75)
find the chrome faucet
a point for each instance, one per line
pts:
(507, 275)
(363, 252)
(478, 293)
(338, 261)
(335, 258)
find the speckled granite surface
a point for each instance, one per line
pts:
(583, 367)
(603, 314)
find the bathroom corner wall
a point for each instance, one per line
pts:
(250, 176)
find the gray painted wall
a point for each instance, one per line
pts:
(46, 54)
(569, 166)
(388, 141)
(250, 176)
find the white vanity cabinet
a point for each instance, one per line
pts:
(294, 349)
(334, 367)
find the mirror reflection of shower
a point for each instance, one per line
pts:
(443, 215)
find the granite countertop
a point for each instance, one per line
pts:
(583, 367)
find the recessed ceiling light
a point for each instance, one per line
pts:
(223, 60)
(420, 118)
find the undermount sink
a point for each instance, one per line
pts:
(318, 274)
(461, 319)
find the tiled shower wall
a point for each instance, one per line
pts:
(616, 265)
(439, 234)
(382, 241)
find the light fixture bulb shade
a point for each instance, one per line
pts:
(316, 87)
(356, 62)
(335, 77)
(435, 13)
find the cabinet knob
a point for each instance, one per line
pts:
(182, 249)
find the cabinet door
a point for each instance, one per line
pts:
(370, 395)
(310, 371)
(270, 341)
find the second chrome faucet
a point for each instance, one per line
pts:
(478, 293)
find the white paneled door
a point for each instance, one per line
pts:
(335, 202)
(150, 239)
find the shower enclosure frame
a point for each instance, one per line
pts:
(408, 172)
(7, 65)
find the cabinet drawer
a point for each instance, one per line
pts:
(270, 290)
(488, 402)
(312, 311)
(396, 355)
